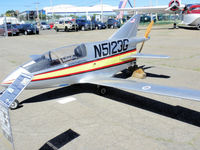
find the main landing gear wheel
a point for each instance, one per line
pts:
(14, 105)
(101, 90)
(198, 26)
(175, 25)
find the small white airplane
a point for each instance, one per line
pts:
(190, 12)
(95, 63)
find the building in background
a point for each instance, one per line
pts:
(31, 15)
(67, 10)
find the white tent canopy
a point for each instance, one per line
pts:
(74, 9)
(12, 20)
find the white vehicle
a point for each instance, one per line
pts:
(66, 26)
(44, 26)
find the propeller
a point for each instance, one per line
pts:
(147, 33)
(174, 5)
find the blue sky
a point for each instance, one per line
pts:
(22, 5)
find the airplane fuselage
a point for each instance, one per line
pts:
(71, 74)
(191, 15)
(103, 59)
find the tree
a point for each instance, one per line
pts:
(12, 13)
(73, 16)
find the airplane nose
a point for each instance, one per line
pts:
(12, 77)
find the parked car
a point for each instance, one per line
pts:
(99, 25)
(51, 25)
(66, 26)
(28, 29)
(112, 23)
(12, 29)
(84, 24)
(91, 25)
(44, 26)
(2, 30)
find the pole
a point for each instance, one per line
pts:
(37, 19)
(52, 14)
(101, 10)
(5, 26)
(36, 3)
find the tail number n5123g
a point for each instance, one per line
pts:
(110, 48)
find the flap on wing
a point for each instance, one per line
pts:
(150, 88)
(140, 55)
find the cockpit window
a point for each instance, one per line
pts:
(195, 8)
(66, 54)
(55, 57)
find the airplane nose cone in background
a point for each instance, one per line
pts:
(13, 76)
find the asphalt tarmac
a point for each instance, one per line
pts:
(77, 118)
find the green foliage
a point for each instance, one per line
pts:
(12, 13)
(42, 16)
(73, 16)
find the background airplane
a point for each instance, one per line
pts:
(190, 12)
(95, 63)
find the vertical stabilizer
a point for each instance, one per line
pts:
(128, 30)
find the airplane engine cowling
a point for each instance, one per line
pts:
(174, 5)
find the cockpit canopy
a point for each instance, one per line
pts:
(56, 57)
(66, 54)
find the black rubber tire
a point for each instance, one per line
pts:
(198, 26)
(101, 90)
(57, 30)
(66, 29)
(14, 105)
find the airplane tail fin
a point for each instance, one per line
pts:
(128, 30)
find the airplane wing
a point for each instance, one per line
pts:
(149, 88)
(140, 10)
(150, 9)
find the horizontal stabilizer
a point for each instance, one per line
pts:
(140, 55)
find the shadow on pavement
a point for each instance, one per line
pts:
(60, 140)
(176, 112)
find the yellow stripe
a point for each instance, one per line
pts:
(84, 67)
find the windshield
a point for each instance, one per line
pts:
(9, 27)
(68, 22)
(55, 57)
(44, 23)
(195, 8)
